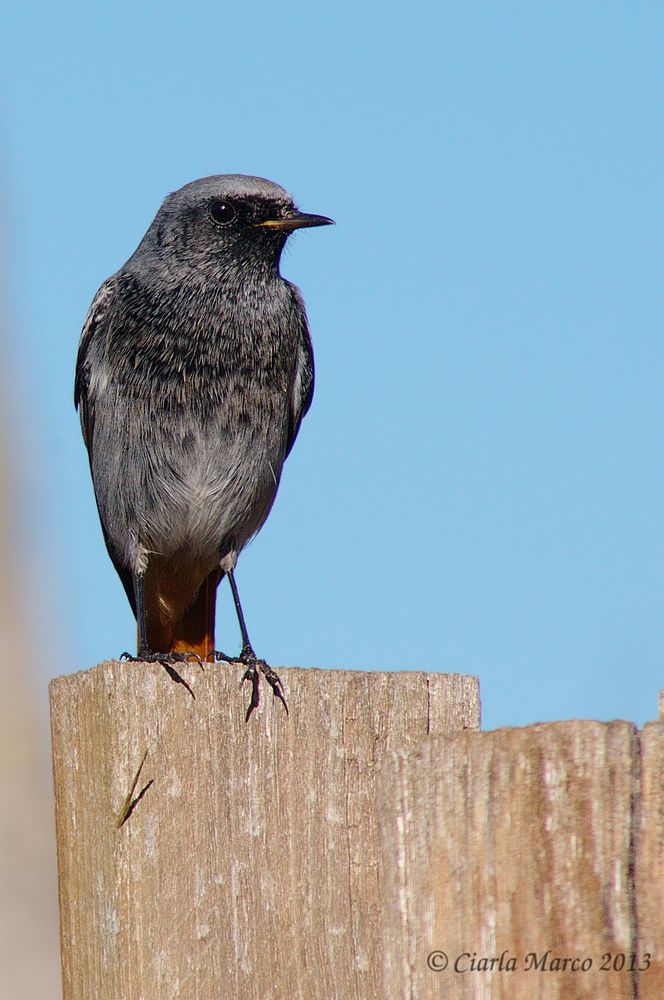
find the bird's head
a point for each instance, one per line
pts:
(226, 221)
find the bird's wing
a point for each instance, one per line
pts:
(100, 315)
(96, 322)
(303, 383)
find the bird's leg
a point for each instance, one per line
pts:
(247, 649)
(144, 654)
(140, 616)
(254, 666)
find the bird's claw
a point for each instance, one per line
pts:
(254, 668)
(146, 655)
(219, 657)
(167, 660)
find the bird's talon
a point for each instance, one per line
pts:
(274, 680)
(255, 667)
(252, 674)
(145, 655)
(219, 657)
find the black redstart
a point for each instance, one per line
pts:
(194, 371)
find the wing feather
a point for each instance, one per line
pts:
(100, 315)
(95, 325)
(303, 383)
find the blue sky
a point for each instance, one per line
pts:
(479, 484)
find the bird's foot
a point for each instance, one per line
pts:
(254, 668)
(145, 655)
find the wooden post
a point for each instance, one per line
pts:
(649, 857)
(247, 862)
(524, 863)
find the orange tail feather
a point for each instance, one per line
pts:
(194, 631)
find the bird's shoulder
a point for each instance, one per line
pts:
(95, 323)
(124, 307)
(117, 299)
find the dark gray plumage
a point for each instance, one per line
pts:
(194, 371)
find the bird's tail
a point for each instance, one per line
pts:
(194, 631)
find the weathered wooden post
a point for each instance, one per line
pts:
(247, 863)
(372, 844)
(524, 863)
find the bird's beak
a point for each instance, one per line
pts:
(296, 220)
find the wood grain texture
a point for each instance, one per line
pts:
(649, 857)
(249, 867)
(523, 841)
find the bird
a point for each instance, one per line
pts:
(194, 371)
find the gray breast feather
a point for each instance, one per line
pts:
(173, 478)
(177, 486)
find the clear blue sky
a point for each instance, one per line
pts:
(479, 486)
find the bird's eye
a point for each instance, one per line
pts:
(222, 212)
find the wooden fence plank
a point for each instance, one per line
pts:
(649, 859)
(513, 843)
(249, 866)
